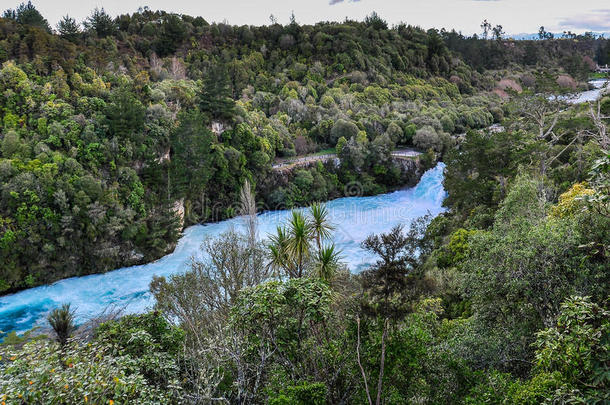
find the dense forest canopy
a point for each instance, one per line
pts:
(117, 132)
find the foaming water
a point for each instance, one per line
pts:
(354, 218)
(599, 86)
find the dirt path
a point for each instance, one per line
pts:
(304, 160)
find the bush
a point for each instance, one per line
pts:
(40, 373)
(303, 394)
(62, 322)
(342, 128)
(427, 138)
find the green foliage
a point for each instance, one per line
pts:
(40, 373)
(474, 174)
(385, 283)
(68, 28)
(600, 180)
(300, 248)
(62, 322)
(541, 266)
(193, 158)
(302, 394)
(100, 23)
(174, 32)
(216, 98)
(125, 115)
(153, 344)
(106, 131)
(261, 307)
(577, 349)
(342, 129)
(27, 14)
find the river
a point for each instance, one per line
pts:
(127, 288)
(591, 95)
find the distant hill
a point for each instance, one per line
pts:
(530, 36)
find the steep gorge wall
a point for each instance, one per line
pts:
(282, 188)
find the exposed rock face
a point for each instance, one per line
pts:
(219, 127)
(164, 157)
(411, 166)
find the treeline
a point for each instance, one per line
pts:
(576, 55)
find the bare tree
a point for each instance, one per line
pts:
(177, 70)
(247, 208)
(201, 297)
(601, 136)
(200, 301)
(366, 384)
(543, 114)
(384, 337)
(486, 27)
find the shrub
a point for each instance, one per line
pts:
(36, 373)
(342, 128)
(426, 138)
(62, 322)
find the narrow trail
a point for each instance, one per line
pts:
(304, 160)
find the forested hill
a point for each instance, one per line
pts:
(106, 126)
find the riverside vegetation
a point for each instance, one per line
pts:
(503, 299)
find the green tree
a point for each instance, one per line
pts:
(342, 128)
(100, 23)
(385, 282)
(281, 325)
(126, 115)
(279, 259)
(543, 261)
(192, 164)
(27, 14)
(299, 243)
(385, 285)
(62, 322)
(327, 262)
(173, 33)
(68, 28)
(577, 349)
(321, 227)
(215, 96)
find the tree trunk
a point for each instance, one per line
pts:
(382, 362)
(366, 385)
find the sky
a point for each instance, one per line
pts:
(516, 16)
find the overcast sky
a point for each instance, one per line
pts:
(516, 16)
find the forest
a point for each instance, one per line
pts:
(118, 132)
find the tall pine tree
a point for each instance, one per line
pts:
(215, 98)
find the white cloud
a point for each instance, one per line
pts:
(598, 20)
(333, 2)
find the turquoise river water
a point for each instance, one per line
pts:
(127, 288)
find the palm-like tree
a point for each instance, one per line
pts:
(327, 262)
(62, 322)
(319, 223)
(299, 242)
(292, 249)
(278, 252)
